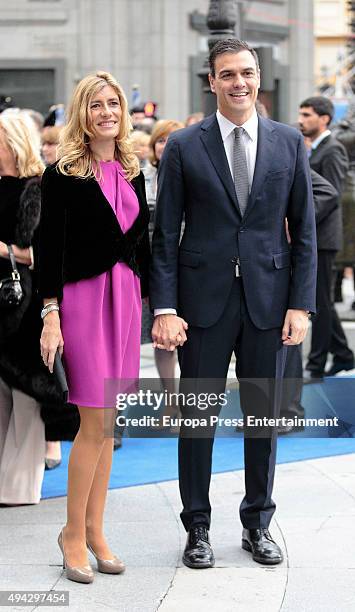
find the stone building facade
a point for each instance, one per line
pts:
(46, 46)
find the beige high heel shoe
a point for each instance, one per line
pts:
(108, 566)
(82, 574)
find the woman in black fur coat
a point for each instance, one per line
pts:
(24, 380)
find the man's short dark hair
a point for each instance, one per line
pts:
(230, 45)
(321, 105)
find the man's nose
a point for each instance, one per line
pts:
(238, 81)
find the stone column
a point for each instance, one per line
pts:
(221, 21)
(301, 51)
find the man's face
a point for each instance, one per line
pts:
(311, 124)
(236, 84)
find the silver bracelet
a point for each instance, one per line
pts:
(49, 308)
(50, 304)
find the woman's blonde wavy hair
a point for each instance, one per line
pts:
(75, 156)
(23, 139)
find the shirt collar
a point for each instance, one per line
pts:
(226, 126)
(320, 138)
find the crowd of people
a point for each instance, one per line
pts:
(77, 216)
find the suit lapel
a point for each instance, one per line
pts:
(264, 156)
(213, 143)
(317, 152)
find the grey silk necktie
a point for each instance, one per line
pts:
(240, 170)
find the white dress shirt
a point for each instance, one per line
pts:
(249, 138)
(250, 141)
(318, 140)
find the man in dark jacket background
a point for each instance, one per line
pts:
(328, 158)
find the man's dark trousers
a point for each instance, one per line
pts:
(260, 354)
(327, 332)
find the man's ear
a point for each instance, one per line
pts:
(211, 80)
(326, 121)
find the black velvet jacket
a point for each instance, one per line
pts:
(21, 365)
(80, 236)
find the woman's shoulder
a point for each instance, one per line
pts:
(53, 172)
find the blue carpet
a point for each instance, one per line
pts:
(148, 460)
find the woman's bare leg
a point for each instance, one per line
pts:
(96, 503)
(84, 457)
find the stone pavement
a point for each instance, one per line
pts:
(314, 524)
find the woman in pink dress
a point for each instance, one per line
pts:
(93, 266)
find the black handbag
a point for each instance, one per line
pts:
(60, 377)
(11, 293)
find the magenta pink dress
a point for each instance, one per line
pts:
(101, 316)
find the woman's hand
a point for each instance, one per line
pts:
(51, 339)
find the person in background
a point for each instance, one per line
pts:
(24, 382)
(327, 157)
(36, 117)
(140, 142)
(159, 137)
(194, 118)
(93, 195)
(165, 361)
(5, 102)
(137, 114)
(140, 121)
(56, 116)
(50, 141)
(325, 199)
(344, 131)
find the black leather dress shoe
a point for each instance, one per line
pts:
(293, 410)
(263, 548)
(198, 553)
(340, 367)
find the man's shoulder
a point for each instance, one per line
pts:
(185, 135)
(282, 129)
(332, 142)
(331, 146)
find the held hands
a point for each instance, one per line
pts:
(295, 327)
(169, 331)
(51, 339)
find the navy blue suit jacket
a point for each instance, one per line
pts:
(195, 182)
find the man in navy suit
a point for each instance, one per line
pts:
(233, 283)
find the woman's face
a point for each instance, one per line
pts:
(49, 152)
(7, 159)
(160, 146)
(105, 114)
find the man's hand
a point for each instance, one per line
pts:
(168, 331)
(295, 327)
